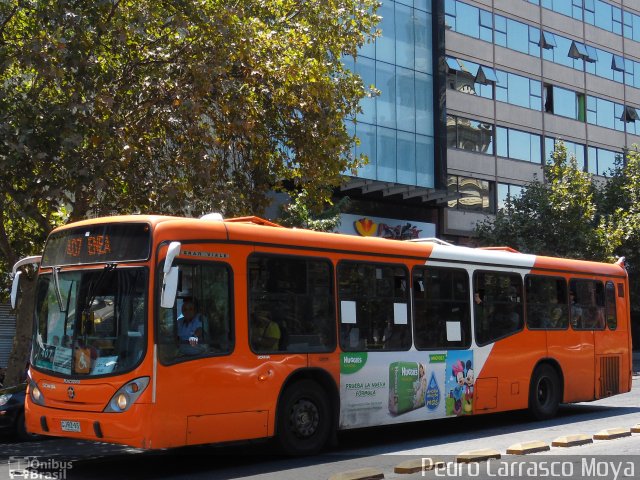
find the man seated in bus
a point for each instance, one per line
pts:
(265, 333)
(189, 328)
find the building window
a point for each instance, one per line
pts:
(469, 134)
(583, 52)
(576, 150)
(547, 40)
(602, 161)
(506, 193)
(469, 77)
(518, 145)
(471, 194)
(565, 103)
(518, 90)
(604, 113)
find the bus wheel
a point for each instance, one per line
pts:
(544, 392)
(304, 419)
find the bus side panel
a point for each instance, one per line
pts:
(574, 352)
(511, 361)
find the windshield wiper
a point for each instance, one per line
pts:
(94, 286)
(56, 287)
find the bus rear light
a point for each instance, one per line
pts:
(127, 395)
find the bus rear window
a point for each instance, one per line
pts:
(125, 242)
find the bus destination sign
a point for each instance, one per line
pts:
(98, 244)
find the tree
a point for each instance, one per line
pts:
(297, 213)
(170, 106)
(557, 216)
(620, 205)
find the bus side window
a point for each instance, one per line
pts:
(610, 300)
(374, 306)
(441, 308)
(587, 304)
(200, 324)
(546, 302)
(291, 304)
(497, 305)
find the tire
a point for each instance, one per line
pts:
(304, 420)
(545, 392)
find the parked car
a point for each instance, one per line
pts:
(12, 411)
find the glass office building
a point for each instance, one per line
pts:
(396, 127)
(474, 94)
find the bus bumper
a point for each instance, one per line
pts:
(126, 428)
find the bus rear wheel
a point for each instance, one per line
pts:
(544, 392)
(304, 419)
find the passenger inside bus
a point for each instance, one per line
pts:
(265, 333)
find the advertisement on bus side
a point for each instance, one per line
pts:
(378, 389)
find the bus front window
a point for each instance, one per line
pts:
(93, 325)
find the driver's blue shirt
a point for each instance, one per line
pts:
(187, 330)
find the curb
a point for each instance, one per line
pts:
(477, 456)
(528, 447)
(572, 440)
(418, 465)
(612, 434)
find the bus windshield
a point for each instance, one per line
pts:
(90, 322)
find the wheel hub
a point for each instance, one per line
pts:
(304, 418)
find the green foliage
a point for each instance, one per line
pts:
(298, 213)
(557, 216)
(171, 106)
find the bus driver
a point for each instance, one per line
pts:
(189, 326)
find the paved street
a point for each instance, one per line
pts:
(380, 448)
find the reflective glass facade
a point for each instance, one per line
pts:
(396, 128)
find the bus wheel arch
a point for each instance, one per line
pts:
(306, 416)
(546, 389)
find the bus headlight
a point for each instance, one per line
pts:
(127, 395)
(35, 393)
(121, 401)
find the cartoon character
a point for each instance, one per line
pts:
(457, 370)
(468, 389)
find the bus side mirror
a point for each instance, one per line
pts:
(14, 289)
(33, 260)
(170, 280)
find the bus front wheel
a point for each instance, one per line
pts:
(304, 419)
(544, 393)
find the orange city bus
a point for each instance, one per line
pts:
(158, 332)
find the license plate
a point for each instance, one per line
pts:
(69, 426)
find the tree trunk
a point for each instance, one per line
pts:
(19, 358)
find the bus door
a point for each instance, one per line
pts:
(575, 347)
(205, 387)
(611, 343)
